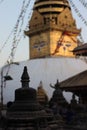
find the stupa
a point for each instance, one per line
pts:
(52, 37)
(42, 97)
(52, 29)
(26, 113)
(57, 96)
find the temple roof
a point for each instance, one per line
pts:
(81, 50)
(79, 80)
(81, 47)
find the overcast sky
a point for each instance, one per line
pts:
(9, 12)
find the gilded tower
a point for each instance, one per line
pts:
(52, 29)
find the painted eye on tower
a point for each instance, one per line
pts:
(39, 45)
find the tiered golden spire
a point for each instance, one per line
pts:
(52, 29)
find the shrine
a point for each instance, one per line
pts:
(53, 47)
(81, 50)
(25, 113)
(77, 85)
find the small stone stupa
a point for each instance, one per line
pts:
(57, 96)
(42, 95)
(26, 113)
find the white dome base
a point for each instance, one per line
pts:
(47, 70)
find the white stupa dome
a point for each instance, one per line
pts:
(47, 70)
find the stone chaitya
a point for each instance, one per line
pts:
(57, 96)
(42, 95)
(26, 113)
(57, 102)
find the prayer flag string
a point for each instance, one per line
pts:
(78, 12)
